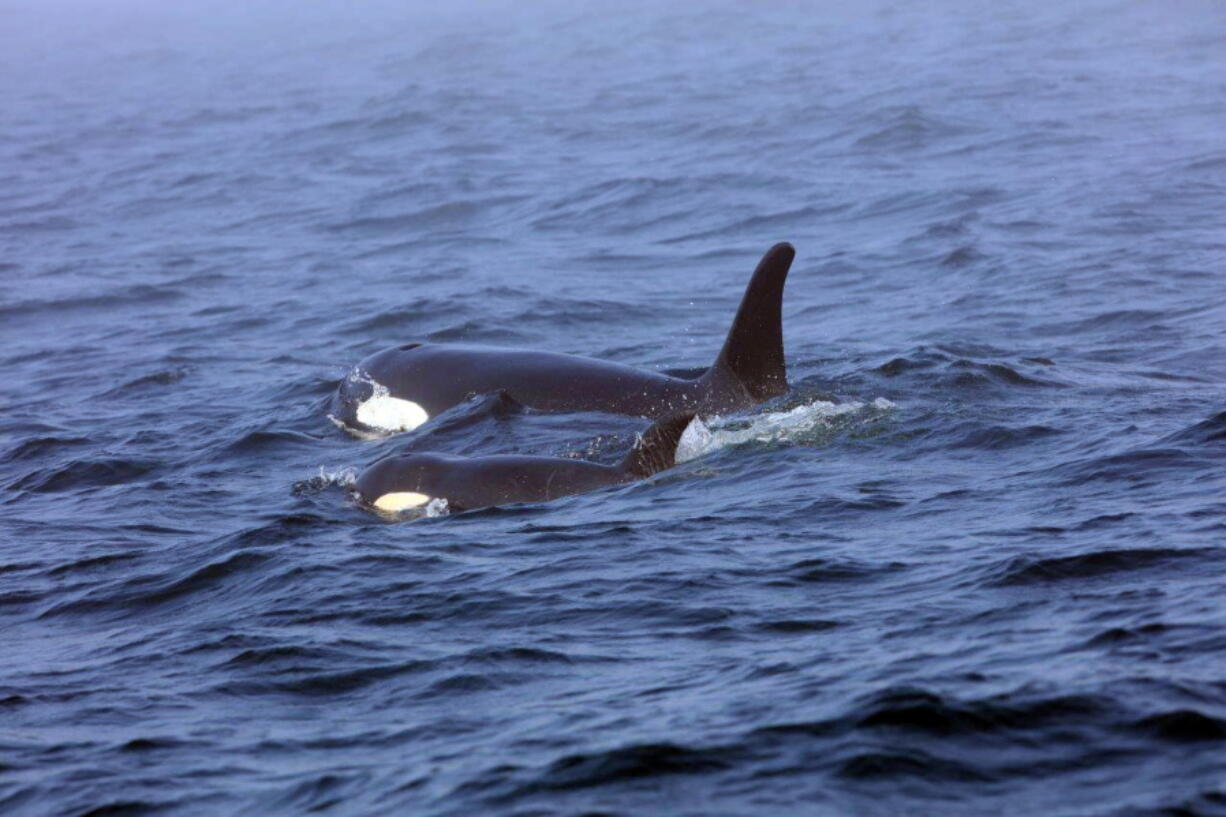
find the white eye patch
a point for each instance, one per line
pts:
(400, 501)
(387, 413)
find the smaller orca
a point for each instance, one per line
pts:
(408, 481)
(400, 388)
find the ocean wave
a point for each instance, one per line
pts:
(84, 473)
(807, 423)
(1024, 570)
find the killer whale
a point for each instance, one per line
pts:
(400, 388)
(409, 481)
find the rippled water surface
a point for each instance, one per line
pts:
(972, 564)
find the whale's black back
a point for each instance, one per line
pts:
(748, 370)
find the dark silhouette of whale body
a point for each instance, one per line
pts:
(411, 481)
(400, 388)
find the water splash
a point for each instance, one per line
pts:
(345, 477)
(800, 424)
(435, 508)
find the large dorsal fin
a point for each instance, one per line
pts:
(656, 448)
(753, 350)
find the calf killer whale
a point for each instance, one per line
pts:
(400, 388)
(409, 481)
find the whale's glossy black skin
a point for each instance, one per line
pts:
(749, 369)
(439, 376)
(477, 482)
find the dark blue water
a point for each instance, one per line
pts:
(1001, 592)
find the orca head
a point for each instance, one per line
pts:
(365, 407)
(396, 484)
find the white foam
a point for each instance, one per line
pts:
(701, 438)
(345, 477)
(339, 477)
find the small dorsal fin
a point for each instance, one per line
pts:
(753, 350)
(656, 448)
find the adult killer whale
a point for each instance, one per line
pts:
(409, 481)
(400, 388)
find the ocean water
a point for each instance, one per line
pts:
(972, 564)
